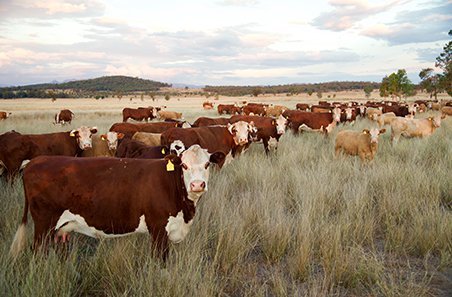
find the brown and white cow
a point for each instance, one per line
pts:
(16, 149)
(149, 196)
(104, 145)
(325, 122)
(4, 115)
(63, 117)
(228, 109)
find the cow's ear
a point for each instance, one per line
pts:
(382, 131)
(273, 122)
(430, 119)
(73, 133)
(366, 131)
(103, 137)
(174, 159)
(120, 135)
(443, 116)
(93, 130)
(217, 157)
(230, 127)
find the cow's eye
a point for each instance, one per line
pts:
(207, 165)
(184, 166)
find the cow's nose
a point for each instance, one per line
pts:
(197, 186)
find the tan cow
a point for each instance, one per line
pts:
(373, 113)
(364, 144)
(171, 115)
(414, 127)
(385, 119)
(151, 139)
(274, 111)
(446, 110)
(104, 145)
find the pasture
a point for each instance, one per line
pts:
(299, 222)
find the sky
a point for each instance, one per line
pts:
(220, 42)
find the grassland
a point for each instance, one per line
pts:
(297, 223)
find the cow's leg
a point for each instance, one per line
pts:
(265, 142)
(160, 242)
(43, 233)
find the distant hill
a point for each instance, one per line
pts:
(105, 83)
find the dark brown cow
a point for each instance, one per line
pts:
(63, 117)
(204, 121)
(302, 106)
(254, 109)
(110, 197)
(139, 114)
(227, 139)
(129, 129)
(320, 121)
(16, 149)
(266, 128)
(228, 109)
(399, 110)
(129, 148)
(4, 115)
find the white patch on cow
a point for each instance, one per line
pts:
(176, 228)
(196, 175)
(112, 140)
(24, 163)
(83, 135)
(331, 126)
(228, 159)
(240, 130)
(186, 125)
(57, 120)
(177, 146)
(304, 127)
(281, 124)
(69, 222)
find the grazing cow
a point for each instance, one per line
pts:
(302, 106)
(274, 111)
(385, 119)
(150, 196)
(266, 128)
(129, 148)
(312, 121)
(138, 114)
(227, 139)
(446, 110)
(254, 109)
(4, 115)
(204, 121)
(171, 115)
(104, 145)
(207, 105)
(363, 144)
(151, 139)
(63, 117)
(128, 129)
(16, 149)
(414, 127)
(228, 109)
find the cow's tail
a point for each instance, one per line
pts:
(20, 238)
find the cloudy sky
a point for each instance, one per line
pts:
(220, 42)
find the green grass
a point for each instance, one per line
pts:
(297, 223)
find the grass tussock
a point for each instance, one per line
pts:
(299, 222)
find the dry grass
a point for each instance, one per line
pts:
(297, 223)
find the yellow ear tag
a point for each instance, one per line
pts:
(170, 166)
(103, 138)
(163, 150)
(72, 134)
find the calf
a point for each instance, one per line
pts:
(364, 144)
(16, 149)
(149, 196)
(385, 119)
(414, 127)
(172, 115)
(4, 115)
(63, 117)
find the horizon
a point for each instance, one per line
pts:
(222, 42)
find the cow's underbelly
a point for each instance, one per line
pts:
(69, 222)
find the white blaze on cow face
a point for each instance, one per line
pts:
(177, 147)
(83, 135)
(239, 131)
(348, 113)
(112, 139)
(176, 228)
(281, 125)
(70, 222)
(336, 114)
(154, 112)
(373, 133)
(362, 109)
(195, 165)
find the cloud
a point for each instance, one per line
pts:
(346, 13)
(238, 2)
(50, 9)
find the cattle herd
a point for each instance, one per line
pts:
(148, 177)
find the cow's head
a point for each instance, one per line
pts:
(373, 134)
(281, 125)
(336, 114)
(362, 109)
(112, 139)
(348, 113)
(83, 136)
(240, 131)
(154, 112)
(177, 147)
(436, 121)
(195, 163)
